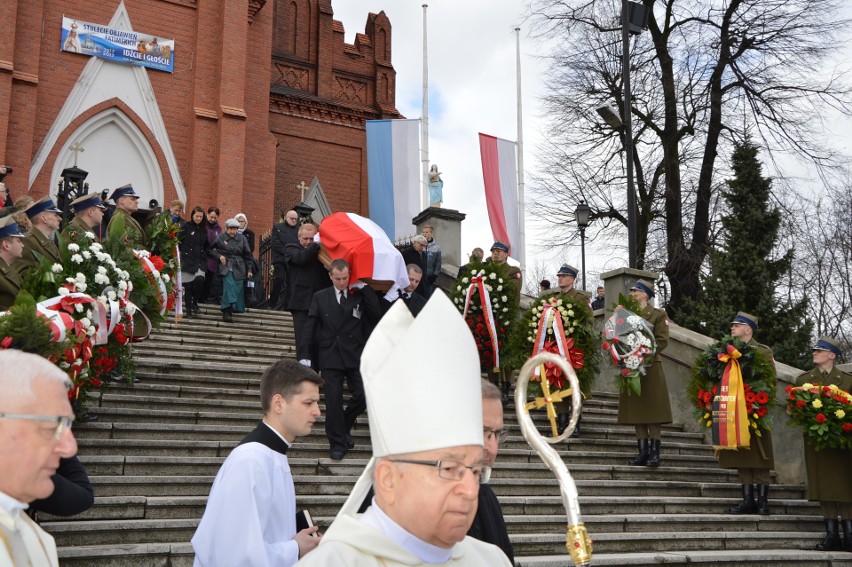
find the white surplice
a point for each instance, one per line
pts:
(22, 541)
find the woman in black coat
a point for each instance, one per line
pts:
(193, 260)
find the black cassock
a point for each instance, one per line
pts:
(489, 525)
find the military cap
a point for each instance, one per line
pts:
(567, 270)
(9, 228)
(43, 205)
(829, 344)
(643, 285)
(123, 191)
(86, 202)
(744, 318)
(500, 246)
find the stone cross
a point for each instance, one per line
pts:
(76, 148)
(302, 187)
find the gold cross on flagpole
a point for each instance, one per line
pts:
(76, 148)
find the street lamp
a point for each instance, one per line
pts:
(583, 214)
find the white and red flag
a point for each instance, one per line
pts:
(500, 173)
(366, 247)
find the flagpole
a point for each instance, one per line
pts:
(424, 124)
(521, 221)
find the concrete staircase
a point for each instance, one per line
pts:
(154, 452)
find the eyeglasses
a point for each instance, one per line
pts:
(62, 422)
(452, 470)
(500, 434)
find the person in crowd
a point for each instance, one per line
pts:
(212, 280)
(433, 259)
(245, 230)
(20, 216)
(544, 286)
(428, 459)
(193, 260)
(284, 233)
(39, 241)
(476, 255)
(72, 491)
(488, 524)
(126, 203)
(754, 463)
(306, 275)
(234, 257)
(35, 433)
(250, 518)
(416, 254)
(650, 410)
(565, 278)
(88, 214)
(11, 249)
(4, 196)
(339, 321)
(600, 299)
(500, 255)
(414, 301)
(175, 211)
(830, 470)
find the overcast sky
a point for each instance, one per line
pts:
(472, 89)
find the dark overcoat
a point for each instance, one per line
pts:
(10, 285)
(306, 275)
(829, 470)
(753, 457)
(132, 229)
(236, 250)
(193, 247)
(653, 405)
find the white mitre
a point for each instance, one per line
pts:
(423, 385)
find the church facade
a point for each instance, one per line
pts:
(262, 97)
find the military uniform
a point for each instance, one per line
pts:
(829, 470)
(10, 285)
(36, 247)
(77, 228)
(132, 229)
(759, 454)
(582, 297)
(653, 405)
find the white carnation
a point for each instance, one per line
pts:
(90, 331)
(56, 268)
(488, 287)
(95, 247)
(130, 309)
(505, 309)
(87, 255)
(465, 280)
(78, 307)
(86, 322)
(633, 362)
(570, 330)
(111, 295)
(499, 288)
(570, 312)
(504, 299)
(81, 277)
(122, 285)
(77, 259)
(81, 287)
(90, 235)
(63, 291)
(101, 279)
(73, 247)
(166, 278)
(493, 276)
(102, 298)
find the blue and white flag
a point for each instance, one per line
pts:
(393, 174)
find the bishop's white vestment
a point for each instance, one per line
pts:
(22, 541)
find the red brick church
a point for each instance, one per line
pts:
(263, 95)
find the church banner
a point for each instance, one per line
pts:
(122, 46)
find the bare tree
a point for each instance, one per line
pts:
(706, 74)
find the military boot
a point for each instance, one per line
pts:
(562, 422)
(763, 499)
(748, 505)
(642, 458)
(832, 540)
(847, 535)
(653, 453)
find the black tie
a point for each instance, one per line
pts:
(342, 299)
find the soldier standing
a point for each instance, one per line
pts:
(565, 278)
(38, 243)
(126, 203)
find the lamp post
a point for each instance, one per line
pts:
(583, 214)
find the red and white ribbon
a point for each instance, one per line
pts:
(158, 282)
(61, 322)
(477, 283)
(550, 318)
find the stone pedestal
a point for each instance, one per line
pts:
(446, 224)
(620, 280)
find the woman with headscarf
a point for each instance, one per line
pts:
(234, 256)
(245, 230)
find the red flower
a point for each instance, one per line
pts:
(800, 404)
(746, 388)
(708, 397)
(625, 372)
(761, 411)
(158, 262)
(847, 427)
(605, 345)
(820, 418)
(750, 397)
(788, 389)
(714, 388)
(762, 397)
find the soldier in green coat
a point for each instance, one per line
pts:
(126, 203)
(11, 248)
(753, 465)
(830, 470)
(39, 243)
(88, 215)
(650, 410)
(565, 278)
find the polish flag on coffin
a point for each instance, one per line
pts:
(500, 173)
(361, 242)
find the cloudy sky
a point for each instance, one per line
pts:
(472, 89)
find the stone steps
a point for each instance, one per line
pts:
(154, 452)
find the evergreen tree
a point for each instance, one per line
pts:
(744, 274)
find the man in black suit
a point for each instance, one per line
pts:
(306, 275)
(414, 301)
(339, 322)
(416, 254)
(283, 233)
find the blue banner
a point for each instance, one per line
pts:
(121, 46)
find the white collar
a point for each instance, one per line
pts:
(426, 552)
(11, 508)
